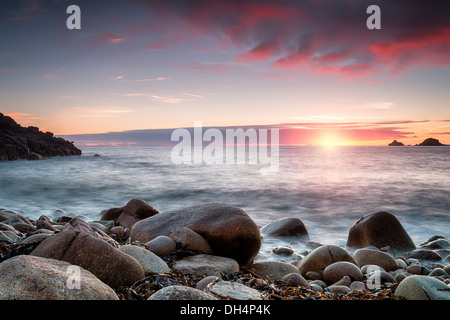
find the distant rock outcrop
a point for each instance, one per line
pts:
(430, 142)
(395, 143)
(17, 142)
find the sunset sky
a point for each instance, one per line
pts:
(309, 66)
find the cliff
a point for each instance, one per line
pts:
(17, 142)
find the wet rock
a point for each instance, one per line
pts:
(417, 287)
(78, 224)
(358, 286)
(295, 279)
(438, 272)
(28, 277)
(205, 264)
(44, 223)
(285, 227)
(313, 275)
(107, 263)
(228, 230)
(177, 292)
(11, 217)
(322, 257)
(336, 271)
(35, 238)
(119, 233)
(161, 245)
(232, 291)
(283, 250)
(149, 261)
(425, 254)
(273, 270)
(338, 289)
(418, 269)
(373, 257)
(135, 210)
(436, 242)
(201, 285)
(190, 240)
(379, 229)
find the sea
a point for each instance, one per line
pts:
(328, 188)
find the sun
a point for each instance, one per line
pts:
(331, 140)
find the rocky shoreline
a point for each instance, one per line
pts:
(207, 252)
(17, 142)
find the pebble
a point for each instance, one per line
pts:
(425, 254)
(339, 289)
(232, 291)
(283, 250)
(274, 270)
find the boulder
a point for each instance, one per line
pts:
(134, 211)
(322, 257)
(228, 230)
(180, 293)
(28, 277)
(379, 229)
(285, 227)
(336, 271)
(107, 263)
(205, 264)
(417, 287)
(190, 240)
(374, 257)
(273, 270)
(149, 261)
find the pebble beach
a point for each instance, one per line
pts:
(137, 253)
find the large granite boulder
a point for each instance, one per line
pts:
(107, 263)
(17, 142)
(379, 229)
(134, 211)
(28, 277)
(229, 231)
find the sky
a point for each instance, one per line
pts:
(311, 68)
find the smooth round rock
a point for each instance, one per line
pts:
(205, 264)
(232, 291)
(336, 271)
(149, 261)
(417, 287)
(177, 292)
(368, 256)
(322, 257)
(161, 245)
(380, 229)
(274, 270)
(295, 279)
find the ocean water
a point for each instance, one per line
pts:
(327, 188)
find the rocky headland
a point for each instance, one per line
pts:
(429, 142)
(207, 252)
(17, 142)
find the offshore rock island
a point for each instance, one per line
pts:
(430, 142)
(17, 142)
